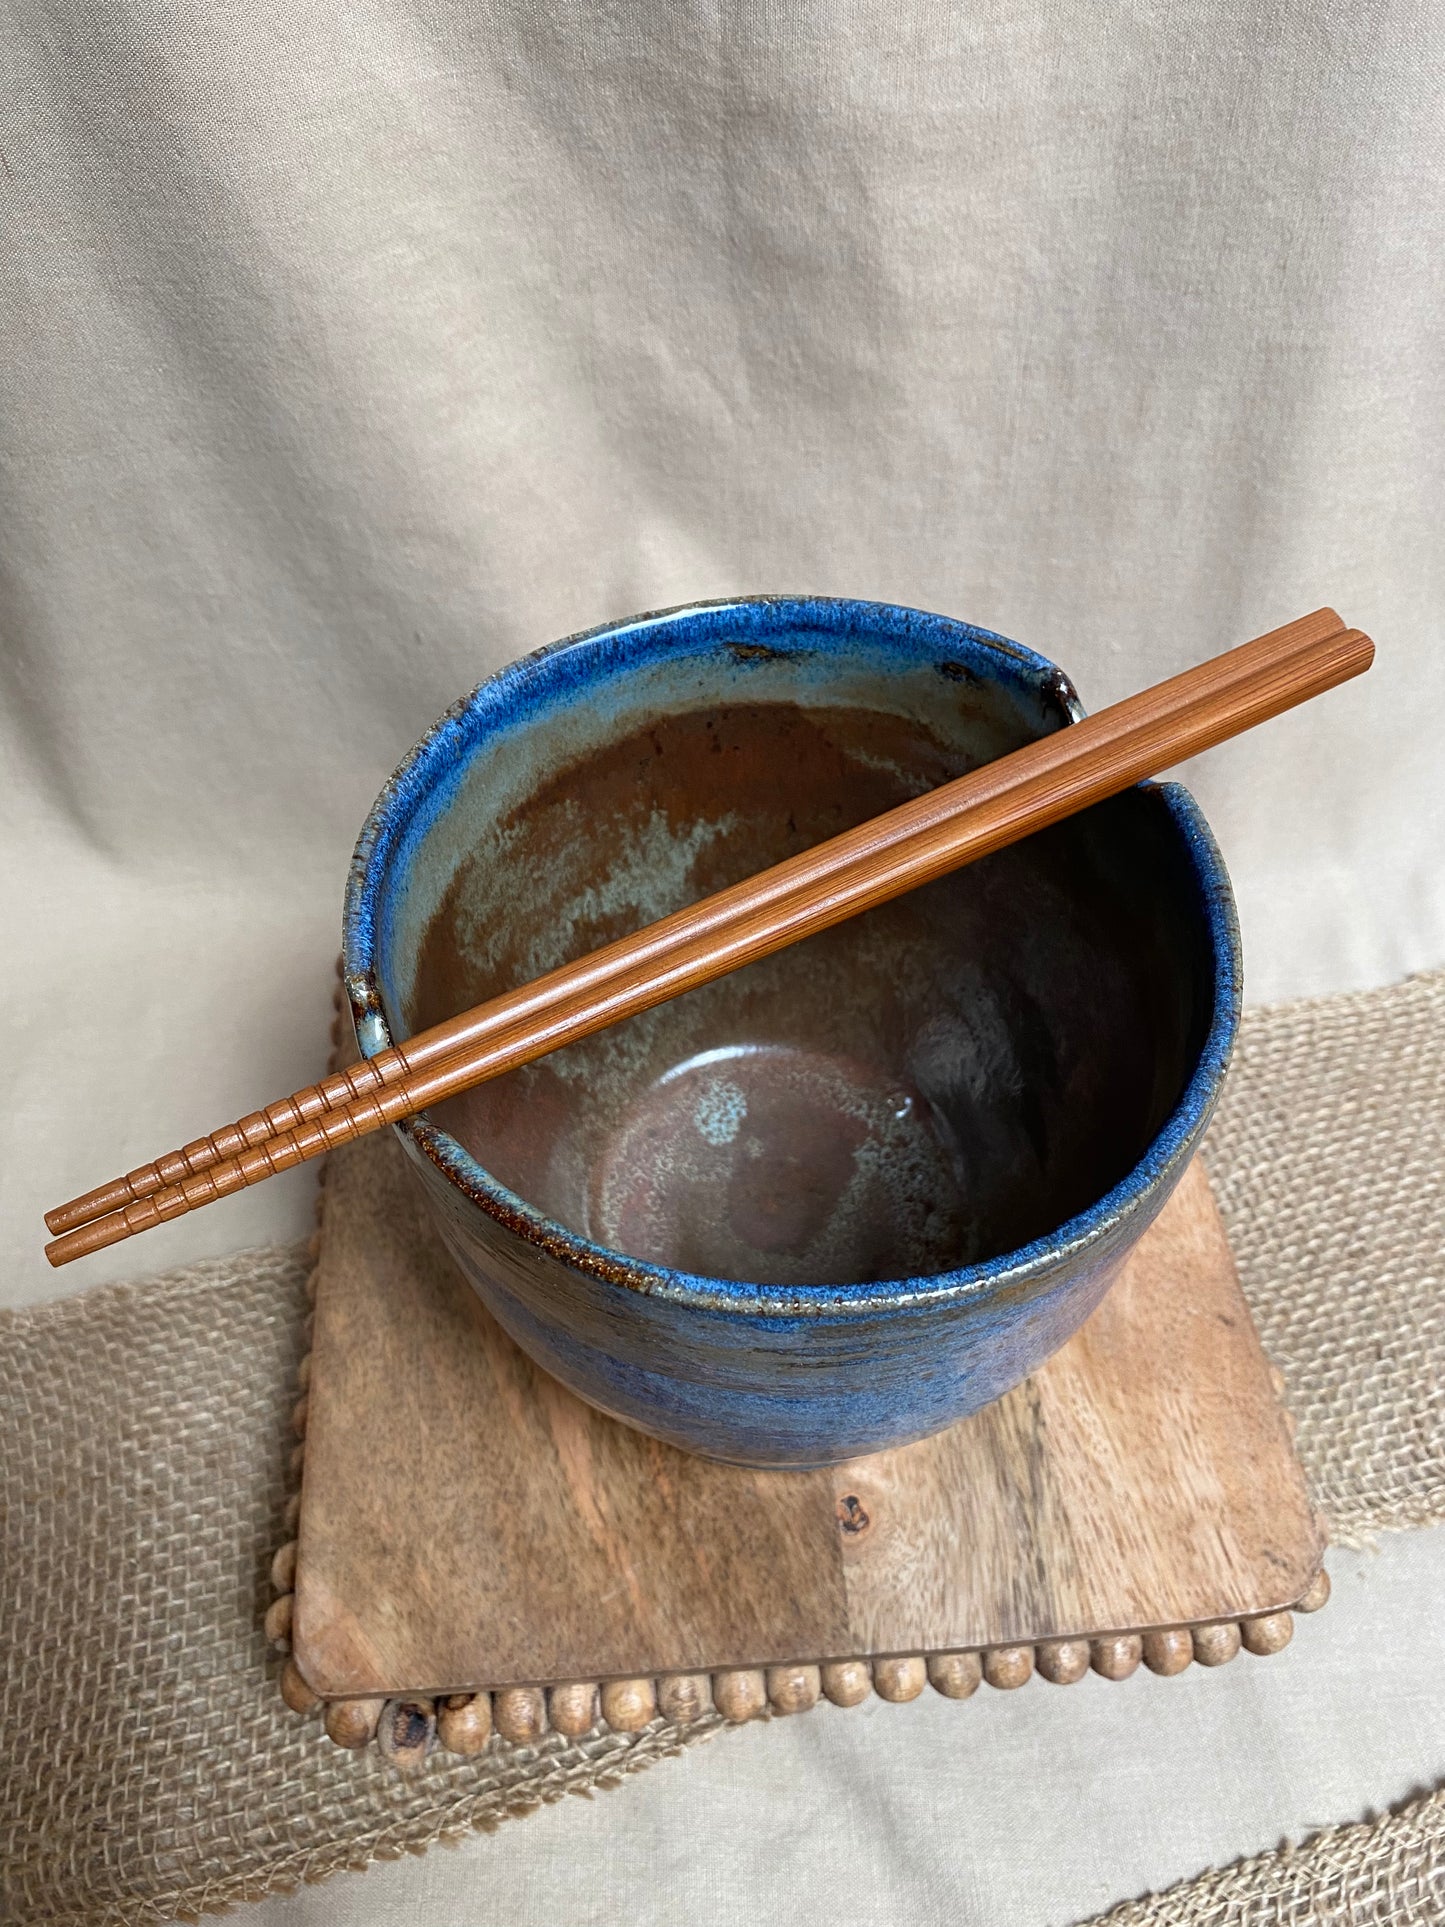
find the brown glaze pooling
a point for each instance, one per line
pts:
(929, 1085)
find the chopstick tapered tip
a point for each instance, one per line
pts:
(94, 1236)
(94, 1204)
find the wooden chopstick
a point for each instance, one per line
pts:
(589, 973)
(937, 832)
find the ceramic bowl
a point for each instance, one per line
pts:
(838, 1200)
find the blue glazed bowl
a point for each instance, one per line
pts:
(846, 1196)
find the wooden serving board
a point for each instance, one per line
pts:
(467, 1523)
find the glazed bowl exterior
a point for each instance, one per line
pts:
(1059, 1021)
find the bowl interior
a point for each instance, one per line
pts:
(923, 1088)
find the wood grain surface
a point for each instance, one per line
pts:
(467, 1523)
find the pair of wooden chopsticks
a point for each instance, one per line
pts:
(908, 846)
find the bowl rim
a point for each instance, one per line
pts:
(412, 797)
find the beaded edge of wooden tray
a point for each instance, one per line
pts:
(406, 1731)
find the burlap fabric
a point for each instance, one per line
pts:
(1327, 1156)
(144, 1474)
(1384, 1873)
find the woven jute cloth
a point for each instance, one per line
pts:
(144, 1445)
(1382, 1873)
(1327, 1156)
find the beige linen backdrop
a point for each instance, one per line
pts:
(348, 351)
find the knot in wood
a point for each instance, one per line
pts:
(406, 1732)
(409, 1725)
(852, 1516)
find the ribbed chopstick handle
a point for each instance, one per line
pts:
(231, 1141)
(311, 1138)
